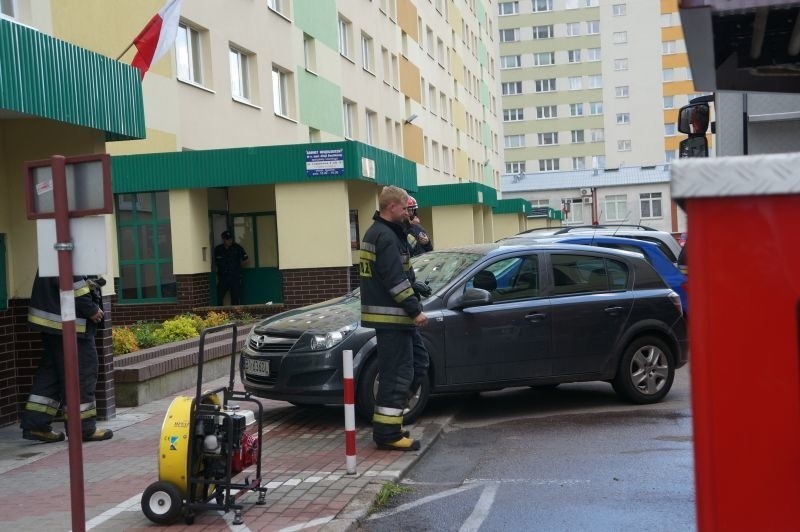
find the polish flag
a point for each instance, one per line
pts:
(157, 37)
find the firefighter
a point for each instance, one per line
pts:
(48, 391)
(390, 306)
(418, 239)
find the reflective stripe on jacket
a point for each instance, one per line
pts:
(44, 310)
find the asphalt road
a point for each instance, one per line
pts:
(571, 459)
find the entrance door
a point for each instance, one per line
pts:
(258, 234)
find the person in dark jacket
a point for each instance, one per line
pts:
(390, 306)
(48, 391)
(418, 240)
(229, 258)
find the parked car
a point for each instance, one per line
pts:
(499, 316)
(664, 240)
(652, 253)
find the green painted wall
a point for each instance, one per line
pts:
(484, 93)
(486, 134)
(320, 102)
(318, 18)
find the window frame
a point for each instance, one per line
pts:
(194, 58)
(243, 69)
(651, 199)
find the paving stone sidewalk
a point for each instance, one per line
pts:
(303, 467)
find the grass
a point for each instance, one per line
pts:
(388, 490)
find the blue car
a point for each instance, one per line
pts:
(666, 268)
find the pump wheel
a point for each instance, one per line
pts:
(162, 503)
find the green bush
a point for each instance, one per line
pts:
(144, 332)
(214, 318)
(178, 328)
(123, 341)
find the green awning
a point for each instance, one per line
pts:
(262, 165)
(49, 78)
(512, 206)
(456, 194)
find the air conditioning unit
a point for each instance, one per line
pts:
(587, 200)
(586, 192)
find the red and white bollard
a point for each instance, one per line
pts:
(349, 412)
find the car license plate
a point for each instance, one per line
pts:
(256, 367)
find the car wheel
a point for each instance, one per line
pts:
(367, 390)
(645, 372)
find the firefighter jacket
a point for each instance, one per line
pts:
(414, 232)
(387, 299)
(44, 311)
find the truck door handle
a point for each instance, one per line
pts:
(535, 316)
(613, 311)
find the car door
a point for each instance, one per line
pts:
(589, 305)
(508, 339)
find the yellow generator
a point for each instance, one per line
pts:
(205, 442)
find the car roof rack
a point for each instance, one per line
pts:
(606, 226)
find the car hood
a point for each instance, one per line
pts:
(323, 317)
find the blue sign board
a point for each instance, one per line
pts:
(325, 162)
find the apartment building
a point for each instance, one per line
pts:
(591, 83)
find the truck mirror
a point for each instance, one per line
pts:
(693, 147)
(693, 119)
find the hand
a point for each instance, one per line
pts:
(421, 288)
(421, 320)
(98, 316)
(423, 239)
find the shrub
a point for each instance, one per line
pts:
(123, 341)
(145, 333)
(179, 328)
(214, 318)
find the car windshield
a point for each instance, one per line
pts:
(437, 268)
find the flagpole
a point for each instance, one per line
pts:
(125, 51)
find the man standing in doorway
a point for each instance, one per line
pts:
(390, 306)
(229, 257)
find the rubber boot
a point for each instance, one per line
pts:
(98, 435)
(403, 444)
(47, 436)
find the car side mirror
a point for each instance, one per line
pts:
(693, 119)
(693, 147)
(472, 297)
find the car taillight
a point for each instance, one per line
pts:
(676, 300)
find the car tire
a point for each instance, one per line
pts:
(646, 371)
(367, 387)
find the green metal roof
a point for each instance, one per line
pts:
(259, 165)
(512, 206)
(49, 78)
(456, 194)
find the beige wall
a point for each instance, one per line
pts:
(191, 251)
(313, 225)
(508, 224)
(29, 140)
(453, 225)
(363, 197)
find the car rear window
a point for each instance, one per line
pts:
(576, 274)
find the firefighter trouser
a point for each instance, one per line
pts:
(396, 371)
(421, 363)
(48, 391)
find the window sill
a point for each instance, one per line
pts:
(196, 85)
(346, 57)
(370, 72)
(284, 17)
(287, 118)
(243, 101)
(312, 72)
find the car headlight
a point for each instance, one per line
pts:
(323, 341)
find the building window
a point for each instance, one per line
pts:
(669, 155)
(597, 135)
(542, 5)
(509, 8)
(571, 4)
(619, 10)
(548, 139)
(345, 31)
(543, 32)
(547, 111)
(669, 47)
(592, 27)
(624, 145)
(348, 117)
(367, 53)
(669, 102)
(575, 83)
(309, 52)
(667, 20)
(515, 167)
(540, 203)
(279, 6)
(669, 129)
(650, 203)
(514, 141)
(510, 61)
(573, 29)
(144, 245)
(509, 35)
(574, 209)
(240, 74)
(595, 108)
(8, 9)
(281, 91)
(621, 64)
(545, 85)
(188, 54)
(440, 53)
(544, 58)
(620, 37)
(598, 161)
(512, 87)
(577, 136)
(579, 163)
(548, 165)
(593, 54)
(596, 81)
(574, 56)
(435, 155)
(616, 207)
(621, 91)
(512, 115)
(576, 109)
(623, 118)
(668, 74)
(591, 3)
(371, 127)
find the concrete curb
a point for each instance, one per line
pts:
(359, 508)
